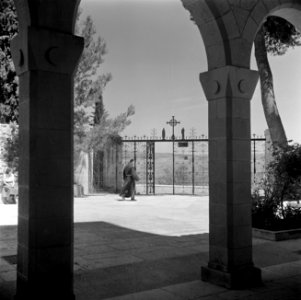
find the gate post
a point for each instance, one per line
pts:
(150, 167)
(192, 162)
(229, 90)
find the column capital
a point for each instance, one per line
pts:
(46, 50)
(57, 15)
(229, 81)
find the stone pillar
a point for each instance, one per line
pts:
(229, 90)
(45, 54)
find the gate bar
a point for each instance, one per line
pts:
(192, 160)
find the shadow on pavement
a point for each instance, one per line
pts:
(157, 260)
(112, 260)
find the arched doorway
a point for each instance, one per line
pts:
(228, 31)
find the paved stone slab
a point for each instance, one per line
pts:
(268, 254)
(194, 289)
(117, 258)
(278, 272)
(157, 294)
(172, 214)
(233, 295)
(146, 275)
(277, 294)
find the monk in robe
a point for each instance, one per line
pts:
(129, 177)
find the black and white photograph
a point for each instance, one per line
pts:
(150, 149)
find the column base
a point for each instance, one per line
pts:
(240, 279)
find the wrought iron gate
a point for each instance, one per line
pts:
(178, 166)
(169, 165)
(150, 167)
(182, 169)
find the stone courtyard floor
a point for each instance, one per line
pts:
(152, 249)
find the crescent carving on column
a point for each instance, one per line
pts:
(49, 55)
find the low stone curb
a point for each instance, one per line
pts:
(277, 235)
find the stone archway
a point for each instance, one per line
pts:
(228, 29)
(45, 54)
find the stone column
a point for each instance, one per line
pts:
(229, 90)
(45, 58)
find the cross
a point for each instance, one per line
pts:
(173, 123)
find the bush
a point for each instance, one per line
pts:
(266, 215)
(11, 148)
(271, 198)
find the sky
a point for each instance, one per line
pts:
(155, 55)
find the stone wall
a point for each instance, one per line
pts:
(81, 175)
(112, 168)
(108, 170)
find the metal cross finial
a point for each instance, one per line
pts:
(173, 122)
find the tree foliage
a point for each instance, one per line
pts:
(108, 129)
(285, 169)
(280, 35)
(11, 148)
(88, 85)
(92, 125)
(283, 178)
(282, 183)
(275, 36)
(9, 99)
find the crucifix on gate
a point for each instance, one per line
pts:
(173, 122)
